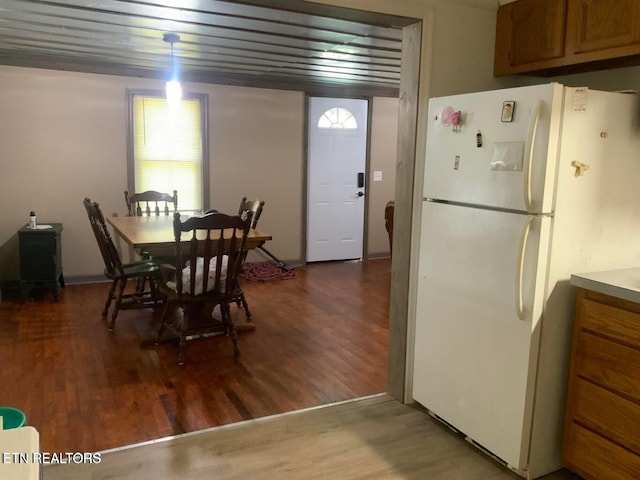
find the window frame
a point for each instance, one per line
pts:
(341, 124)
(203, 99)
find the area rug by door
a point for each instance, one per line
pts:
(266, 271)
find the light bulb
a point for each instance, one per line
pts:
(174, 92)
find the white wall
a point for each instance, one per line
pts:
(63, 138)
(257, 147)
(383, 159)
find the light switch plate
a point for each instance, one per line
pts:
(377, 176)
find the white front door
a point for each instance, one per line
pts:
(336, 176)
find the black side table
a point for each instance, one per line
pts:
(41, 258)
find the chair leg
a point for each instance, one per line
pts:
(107, 304)
(163, 321)
(229, 326)
(140, 283)
(245, 306)
(188, 312)
(182, 345)
(154, 292)
(116, 308)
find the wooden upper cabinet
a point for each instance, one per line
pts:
(529, 33)
(595, 25)
(565, 36)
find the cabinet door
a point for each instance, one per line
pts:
(39, 256)
(529, 32)
(603, 414)
(601, 24)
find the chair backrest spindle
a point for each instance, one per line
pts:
(139, 204)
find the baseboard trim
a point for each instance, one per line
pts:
(378, 256)
(85, 279)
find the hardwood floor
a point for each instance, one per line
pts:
(320, 338)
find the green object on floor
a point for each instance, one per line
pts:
(12, 418)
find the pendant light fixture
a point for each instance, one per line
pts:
(174, 90)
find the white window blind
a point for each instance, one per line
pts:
(168, 148)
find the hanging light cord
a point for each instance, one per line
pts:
(173, 63)
(171, 38)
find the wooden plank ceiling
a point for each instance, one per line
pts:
(288, 44)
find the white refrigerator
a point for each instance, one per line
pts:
(522, 187)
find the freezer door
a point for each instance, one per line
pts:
(476, 335)
(503, 150)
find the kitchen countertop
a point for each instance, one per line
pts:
(624, 283)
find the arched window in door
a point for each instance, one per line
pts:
(338, 117)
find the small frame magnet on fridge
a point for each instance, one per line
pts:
(508, 108)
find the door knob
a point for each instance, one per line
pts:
(360, 194)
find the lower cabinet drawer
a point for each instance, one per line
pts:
(613, 417)
(610, 364)
(616, 323)
(596, 458)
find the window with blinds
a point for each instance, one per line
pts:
(168, 148)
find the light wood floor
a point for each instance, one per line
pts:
(371, 438)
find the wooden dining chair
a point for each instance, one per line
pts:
(205, 274)
(146, 203)
(255, 207)
(145, 271)
(388, 222)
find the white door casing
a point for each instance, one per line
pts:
(335, 201)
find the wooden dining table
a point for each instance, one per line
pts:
(155, 236)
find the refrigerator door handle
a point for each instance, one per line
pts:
(520, 270)
(530, 149)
